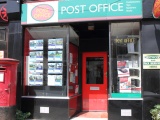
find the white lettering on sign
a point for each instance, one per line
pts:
(92, 8)
(73, 9)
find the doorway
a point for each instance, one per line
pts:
(94, 81)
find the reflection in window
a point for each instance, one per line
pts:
(94, 69)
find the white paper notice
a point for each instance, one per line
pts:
(71, 58)
(126, 112)
(1, 54)
(44, 109)
(1, 76)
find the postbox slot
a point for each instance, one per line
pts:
(2, 69)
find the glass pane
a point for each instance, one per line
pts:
(94, 70)
(125, 60)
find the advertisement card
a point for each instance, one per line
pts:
(122, 69)
(55, 43)
(36, 56)
(36, 44)
(54, 80)
(54, 55)
(51, 44)
(59, 43)
(125, 85)
(35, 68)
(54, 68)
(35, 80)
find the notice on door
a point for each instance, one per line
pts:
(151, 61)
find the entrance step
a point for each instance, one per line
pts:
(91, 116)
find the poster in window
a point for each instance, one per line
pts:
(54, 80)
(54, 55)
(35, 68)
(55, 43)
(125, 85)
(35, 80)
(54, 68)
(36, 56)
(59, 43)
(122, 68)
(39, 68)
(39, 56)
(36, 44)
(51, 44)
(32, 68)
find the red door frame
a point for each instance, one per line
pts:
(89, 99)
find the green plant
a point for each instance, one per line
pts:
(22, 116)
(155, 112)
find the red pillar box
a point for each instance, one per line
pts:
(8, 83)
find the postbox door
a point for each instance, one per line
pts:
(4, 88)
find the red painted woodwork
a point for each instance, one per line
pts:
(27, 38)
(8, 86)
(73, 49)
(94, 100)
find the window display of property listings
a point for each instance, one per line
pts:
(45, 62)
(125, 60)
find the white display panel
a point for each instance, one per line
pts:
(36, 44)
(54, 80)
(55, 43)
(54, 55)
(55, 68)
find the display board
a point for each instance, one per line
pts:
(45, 61)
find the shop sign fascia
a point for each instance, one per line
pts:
(75, 11)
(151, 61)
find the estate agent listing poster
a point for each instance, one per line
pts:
(54, 68)
(54, 80)
(36, 44)
(54, 55)
(36, 56)
(35, 80)
(55, 43)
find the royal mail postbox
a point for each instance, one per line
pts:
(8, 83)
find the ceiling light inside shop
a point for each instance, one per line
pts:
(90, 26)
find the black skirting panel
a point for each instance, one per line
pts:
(8, 113)
(58, 108)
(125, 110)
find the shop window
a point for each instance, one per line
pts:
(46, 61)
(3, 43)
(125, 63)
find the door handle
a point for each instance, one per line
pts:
(7, 90)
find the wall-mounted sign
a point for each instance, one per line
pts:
(156, 9)
(151, 61)
(80, 10)
(3, 13)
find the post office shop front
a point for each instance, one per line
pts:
(82, 58)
